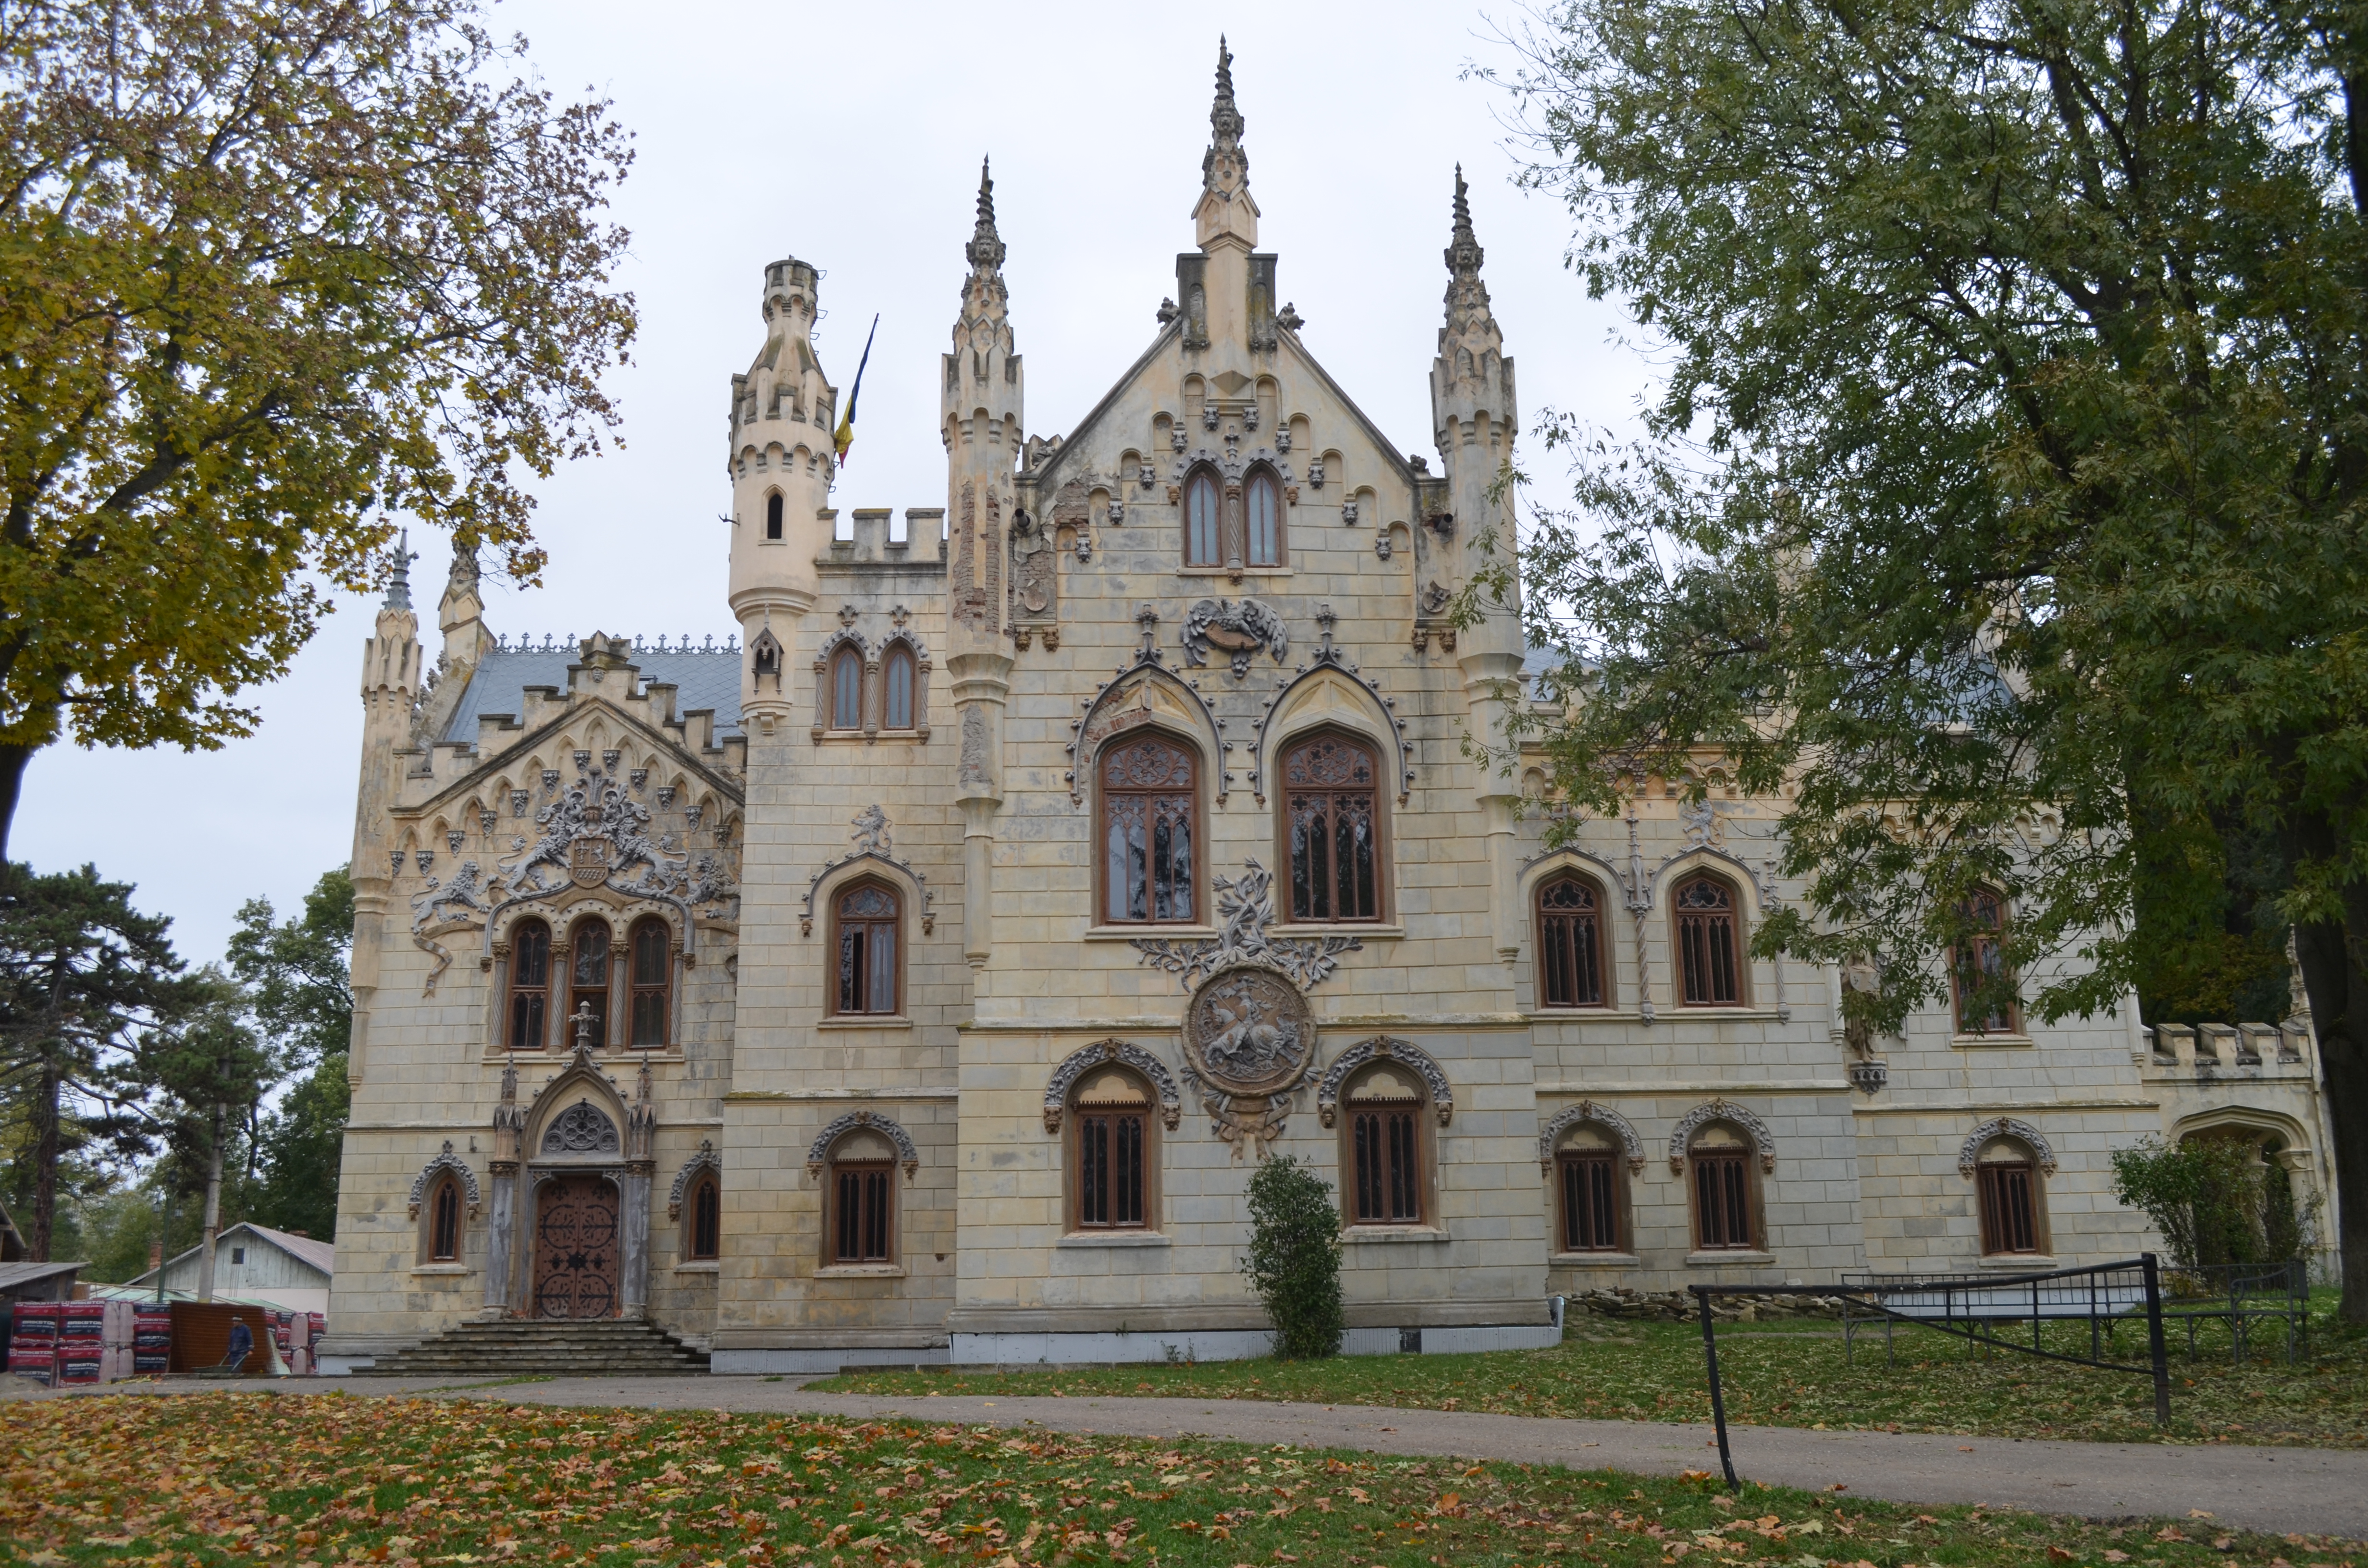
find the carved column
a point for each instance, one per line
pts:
(501, 1239)
(982, 683)
(633, 1194)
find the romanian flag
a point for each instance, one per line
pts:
(843, 437)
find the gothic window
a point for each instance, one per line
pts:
(897, 671)
(2006, 1182)
(652, 964)
(1149, 807)
(529, 983)
(1203, 521)
(1726, 1191)
(862, 1203)
(702, 1239)
(444, 1220)
(1385, 1147)
(587, 978)
(1979, 969)
(1570, 944)
(773, 514)
(846, 689)
(1710, 972)
(1110, 1153)
(1591, 1185)
(1262, 499)
(1331, 818)
(864, 930)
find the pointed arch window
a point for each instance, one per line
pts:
(1332, 829)
(588, 977)
(2007, 1188)
(1570, 944)
(653, 965)
(897, 675)
(1710, 945)
(702, 1239)
(444, 1222)
(865, 920)
(1150, 808)
(1262, 519)
(1978, 974)
(846, 689)
(773, 514)
(529, 983)
(1727, 1189)
(1204, 543)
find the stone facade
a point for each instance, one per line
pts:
(838, 981)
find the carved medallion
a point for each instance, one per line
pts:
(1249, 1041)
(587, 861)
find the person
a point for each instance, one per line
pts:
(242, 1346)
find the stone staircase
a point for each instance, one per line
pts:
(592, 1347)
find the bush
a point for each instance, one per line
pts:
(1294, 1261)
(2215, 1200)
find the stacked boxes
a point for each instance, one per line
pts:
(33, 1341)
(152, 1340)
(82, 1342)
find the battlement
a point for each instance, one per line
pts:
(871, 537)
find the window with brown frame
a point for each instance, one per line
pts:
(1203, 521)
(2006, 1181)
(588, 977)
(702, 1239)
(529, 983)
(1980, 964)
(1593, 1207)
(1709, 944)
(865, 920)
(1149, 806)
(1723, 1195)
(846, 689)
(653, 966)
(1386, 1148)
(863, 1203)
(1262, 518)
(1570, 944)
(444, 1222)
(897, 701)
(1110, 1153)
(1331, 814)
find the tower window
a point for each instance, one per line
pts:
(2007, 1192)
(773, 514)
(1979, 972)
(846, 690)
(1111, 1154)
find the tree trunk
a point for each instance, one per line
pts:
(213, 1212)
(13, 760)
(2334, 960)
(45, 1160)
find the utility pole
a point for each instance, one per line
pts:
(213, 1210)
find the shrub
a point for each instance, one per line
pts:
(2215, 1200)
(1294, 1261)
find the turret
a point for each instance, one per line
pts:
(1226, 291)
(390, 691)
(780, 459)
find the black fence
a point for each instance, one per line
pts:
(2245, 1296)
(1993, 1310)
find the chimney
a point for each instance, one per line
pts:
(156, 1252)
(306, 1234)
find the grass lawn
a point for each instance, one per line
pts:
(241, 1479)
(1789, 1373)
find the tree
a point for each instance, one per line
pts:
(269, 268)
(1294, 1258)
(198, 1083)
(2003, 505)
(83, 977)
(296, 978)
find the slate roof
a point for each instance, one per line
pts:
(704, 679)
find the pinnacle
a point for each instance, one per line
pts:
(1225, 118)
(398, 584)
(986, 247)
(1463, 252)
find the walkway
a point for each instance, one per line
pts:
(2315, 1491)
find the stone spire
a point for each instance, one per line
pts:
(1225, 210)
(398, 584)
(986, 247)
(1467, 297)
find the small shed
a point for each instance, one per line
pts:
(37, 1281)
(256, 1263)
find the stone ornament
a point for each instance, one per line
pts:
(582, 1129)
(593, 830)
(873, 841)
(707, 1159)
(1246, 902)
(1248, 1041)
(1382, 1047)
(1236, 630)
(1131, 697)
(461, 899)
(446, 1161)
(1551, 1135)
(1969, 1153)
(818, 1153)
(1680, 1136)
(1101, 1053)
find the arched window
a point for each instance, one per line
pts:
(703, 1237)
(1385, 1153)
(897, 706)
(1710, 970)
(1570, 944)
(865, 919)
(1331, 815)
(587, 978)
(846, 689)
(1203, 521)
(1726, 1192)
(1591, 1184)
(1149, 808)
(859, 1201)
(773, 514)
(529, 983)
(2006, 1183)
(1112, 1158)
(1262, 518)
(653, 962)
(1978, 981)
(444, 1222)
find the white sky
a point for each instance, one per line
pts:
(849, 136)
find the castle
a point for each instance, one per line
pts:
(919, 971)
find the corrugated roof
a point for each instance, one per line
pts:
(322, 1255)
(703, 678)
(15, 1274)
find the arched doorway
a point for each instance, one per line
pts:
(577, 1263)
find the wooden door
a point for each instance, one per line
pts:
(576, 1264)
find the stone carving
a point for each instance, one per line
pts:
(871, 832)
(1246, 902)
(1237, 630)
(865, 850)
(1078, 1064)
(1035, 583)
(1868, 1077)
(1435, 598)
(1704, 824)
(1249, 1041)
(446, 1161)
(1969, 1153)
(1382, 1047)
(437, 906)
(1551, 1135)
(1680, 1136)
(707, 1159)
(973, 747)
(1382, 546)
(818, 1153)
(582, 1129)
(596, 813)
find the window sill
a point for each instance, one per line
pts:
(866, 1021)
(1374, 930)
(1185, 932)
(1686, 1010)
(447, 1269)
(701, 1265)
(1583, 1015)
(1115, 1239)
(1977, 1042)
(658, 1054)
(1233, 571)
(1729, 1258)
(860, 737)
(860, 1271)
(1593, 1260)
(1393, 1233)
(2018, 1262)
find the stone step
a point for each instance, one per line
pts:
(585, 1346)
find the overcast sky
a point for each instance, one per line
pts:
(851, 136)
